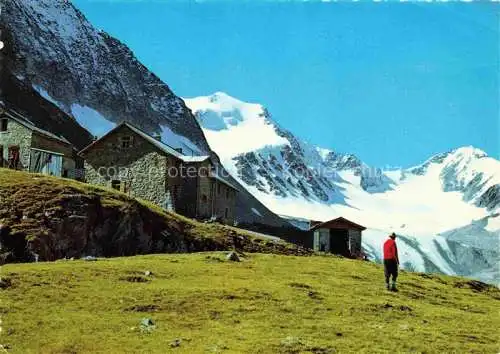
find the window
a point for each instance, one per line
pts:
(228, 193)
(121, 186)
(1, 156)
(4, 123)
(218, 188)
(126, 142)
(204, 198)
(226, 213)
(116, 184)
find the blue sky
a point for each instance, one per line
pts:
(391, 83)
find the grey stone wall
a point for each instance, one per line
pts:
(16, 135)
(187, 199)
(141, 167)
(225, 199)
(206, 187)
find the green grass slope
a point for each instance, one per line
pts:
(201, 303)
(57, 218)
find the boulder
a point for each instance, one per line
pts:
(232, 256)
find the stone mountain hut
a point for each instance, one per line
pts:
(136, 163)
(26, 147)
(339, 236)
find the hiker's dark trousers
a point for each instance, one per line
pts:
(390, 269)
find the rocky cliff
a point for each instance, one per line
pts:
(46, 218)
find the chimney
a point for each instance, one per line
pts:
(157, 136)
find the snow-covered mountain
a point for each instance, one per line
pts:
(73, 79)
(437, 207)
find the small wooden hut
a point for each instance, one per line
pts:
(339, 236)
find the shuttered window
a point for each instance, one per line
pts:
(126, 142)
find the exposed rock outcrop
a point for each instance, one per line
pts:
(45, 218)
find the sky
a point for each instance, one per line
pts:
(393, 83)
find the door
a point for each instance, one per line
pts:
(339, 242)
(14, 161)
(46, 163)
(53, 166)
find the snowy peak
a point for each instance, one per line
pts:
(272, 162)
(342, 161)
(469, 152)
(467, 170)
(462, 155)
(234, 127)
(470, 171)
(265, 156)
(220, 111)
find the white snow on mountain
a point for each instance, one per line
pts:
(233, 127)
(179, 141)
(450, 191)
(87, 117)
(91, 120)
(46, 95)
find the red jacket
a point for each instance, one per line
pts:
(390, 250)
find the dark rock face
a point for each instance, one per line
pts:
(23, 98)
(490, 199)
(343, 161)
(283, 171)
(473, 189)
(51, 45)
(83, 225)
(422, 169)
(296, 169)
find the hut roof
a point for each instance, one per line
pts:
(338, 223)
(158, 144)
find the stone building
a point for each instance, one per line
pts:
(339, 236)
(24, 146)
(130, 160)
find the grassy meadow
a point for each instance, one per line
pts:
(202, 303)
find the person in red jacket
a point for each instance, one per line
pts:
(391, 262)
